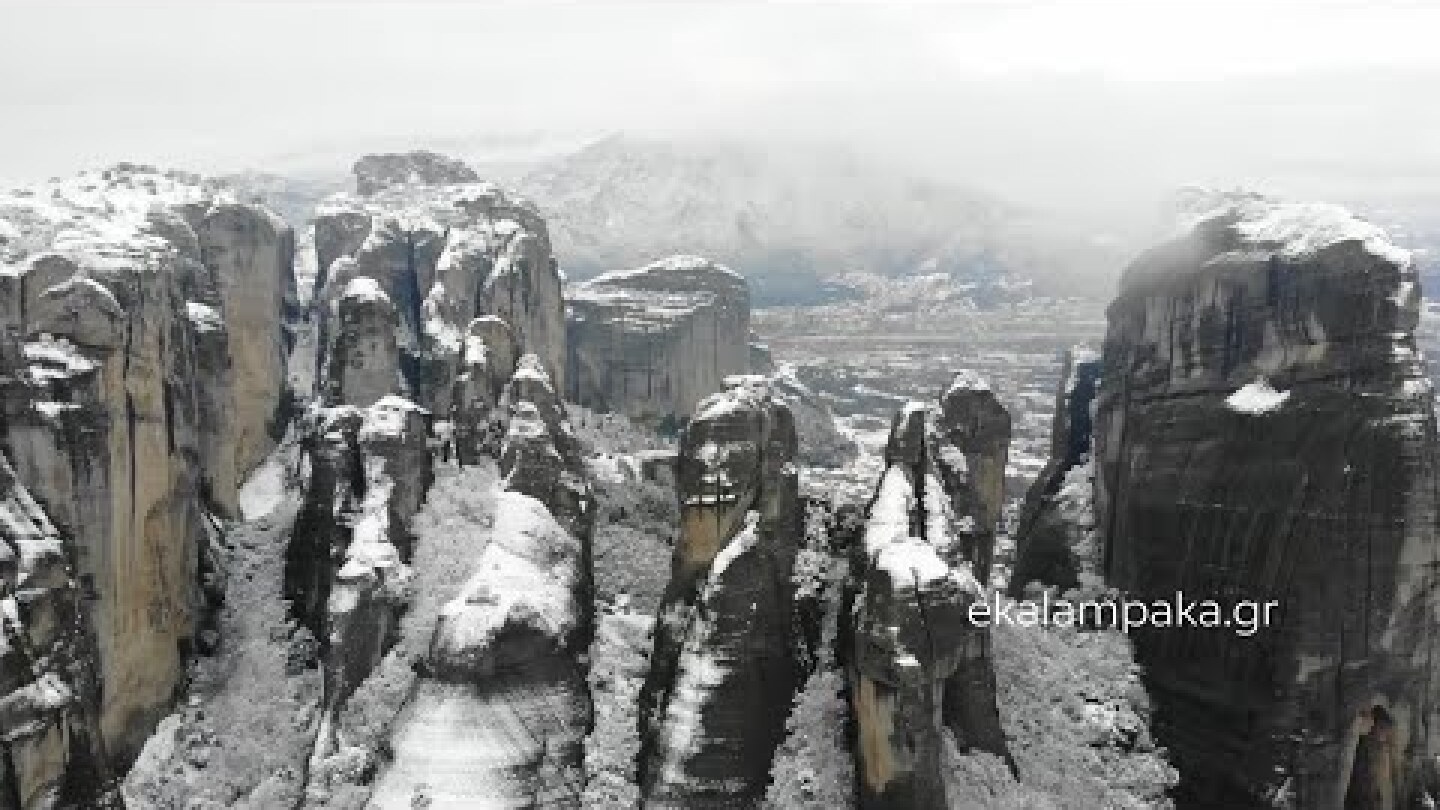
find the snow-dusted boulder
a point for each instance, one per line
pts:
(1054, 540)
(920, 667)
(1265, 431)
(652, 342)
(726, 658)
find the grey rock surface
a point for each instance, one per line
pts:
(726, 655)
(1265, 431)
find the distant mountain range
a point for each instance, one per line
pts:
(793, 221)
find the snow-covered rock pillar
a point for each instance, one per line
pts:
(501, 716)
(920, 668)
(725, 665)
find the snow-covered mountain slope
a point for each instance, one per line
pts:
(788, 218)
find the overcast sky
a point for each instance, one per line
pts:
(1068, 102)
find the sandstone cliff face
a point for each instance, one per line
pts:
(1265, 432)
(50, 744)
(507, 650)
(120, 348)
(1054, 541)
(921, 678)
(651, 343)
(443, 253)
(725, 662)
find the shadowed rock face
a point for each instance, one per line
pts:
(726, 664)
(142, 310)
(973, 429)
(445, 250)
(920, 670)
(364, 362)
(345, 567)
(1053, 541)
(1265, 432)
(652, 342)
(53, 753)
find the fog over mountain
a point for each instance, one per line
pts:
(1086, 107)
(719, 406)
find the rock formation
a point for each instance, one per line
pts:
(441, 330)
(50, 745)
(377, 172)
(725, 662)
(1054, 540)
(1265, 431)
(507, 651)
(444, 250)
(920, 670)
(140, 310)
(345, 572)
(974, 444)
(651, 343)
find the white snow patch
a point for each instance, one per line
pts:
(204, 317)
(365, 288)
(264, 489)
(968, 380)
(1256, 398)
(1303, 229)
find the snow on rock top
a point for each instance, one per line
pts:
(1256, 398)
(1303, 229)
(365, 288)
(1293, 230)
(968, 380)
(204, 317)
(106, 213)
(520, 579)
(672, 264)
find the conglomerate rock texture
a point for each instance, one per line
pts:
(1054, 540)
(725, 664)
(651, 343)
(139, 309)
(920, 669)
(1265, 431)
(443, 253)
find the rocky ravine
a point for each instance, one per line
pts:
(1265, 431)
(1054, 540)
(140, 310)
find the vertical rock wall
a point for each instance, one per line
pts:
(651, 343)
(120, 347)
(725, 664)
(1054, 538)
(445, 251)
(1265, 431)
